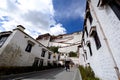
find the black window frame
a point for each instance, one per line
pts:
(89, 46)
(29, 47)
(86, 55)
(2, 41)
(49, 55)
(41, 62)
(89, 16)
(36, 62)
(86, 31)
(115, 6)
(97, 40)
(43, 53)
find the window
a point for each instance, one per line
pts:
(41, 62)
(86, 31)
(89, 16)
(3, 38)
(89, 46)
(115, 5)
(94, 34)
(36, 62)
(97, 41)
(49, 55)
(85, 54)
(43, 53)
(29, 47)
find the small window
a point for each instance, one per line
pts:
(29, 47)
(89, 46)
(43, 53)
(41, 62)
(86, 31)
(49, 55)
(3, 38)
(85, 54)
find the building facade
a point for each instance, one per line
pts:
(66, 43)
(19, 49)
(101, 38)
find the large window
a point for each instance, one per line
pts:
(43, 53)
(3, 38)
(115, 5)
(97, 41)
(94, 34)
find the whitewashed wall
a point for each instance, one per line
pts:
(14, 53)
(101, 60)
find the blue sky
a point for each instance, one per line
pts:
(42, 16)
(70, 13)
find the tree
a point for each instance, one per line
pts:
(72, 54)
(54, 49)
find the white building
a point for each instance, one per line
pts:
(65, 42)
(19, 49)
(101, 38)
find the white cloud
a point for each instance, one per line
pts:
(57, 29)
(35, 15)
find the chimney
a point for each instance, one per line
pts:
(20, 27)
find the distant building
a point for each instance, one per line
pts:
(65, 42)
(19, 49)
(101, 38)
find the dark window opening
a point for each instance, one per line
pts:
(59, 57)
(29, 47)
(36, 62)
(89, 16)
(97, 41)
(103, 2)
(49, 55)
(115, 5)
(41, 62)
(89, 46)
(43, 53)
(86, 55)
(49, 64)
(86, 31)
(3, 38)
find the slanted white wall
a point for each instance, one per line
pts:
(101, 60)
